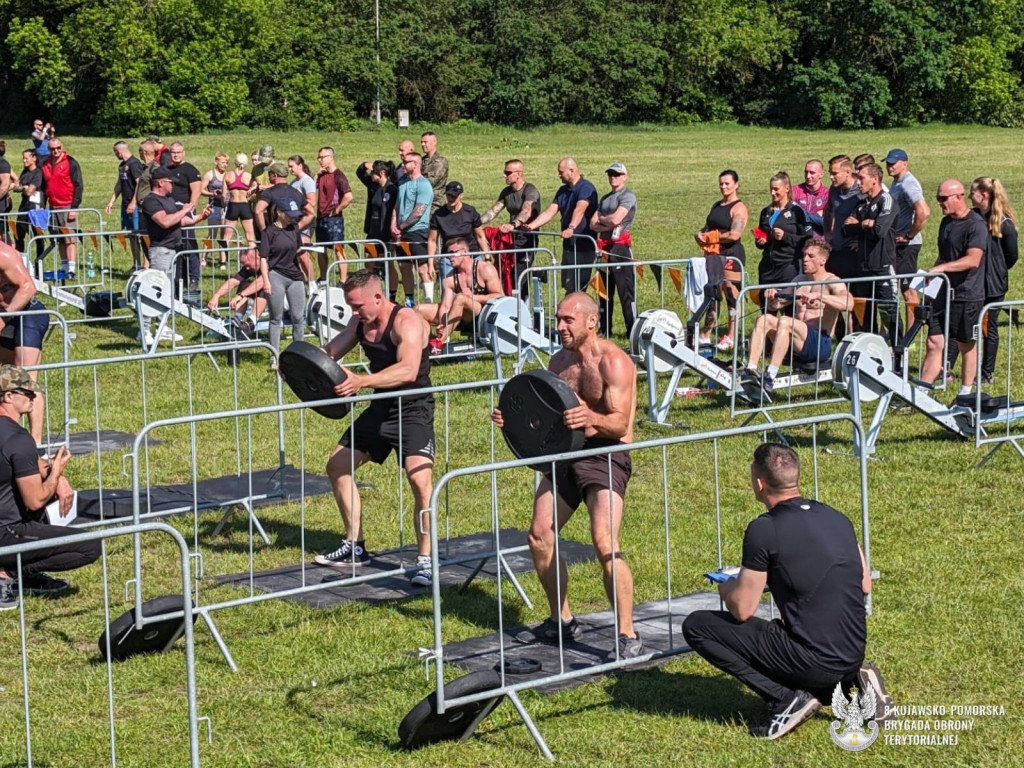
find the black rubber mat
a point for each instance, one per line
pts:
(659, 624)
(398, 587)
(281, 484)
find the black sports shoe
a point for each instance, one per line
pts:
(348, 554)
(630, 647)
(40, 585)
(870, 676)
(549, 631)
(8, 595)
(787, 715)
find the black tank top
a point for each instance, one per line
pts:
(720, 218)
(477, 288)
(384, 352)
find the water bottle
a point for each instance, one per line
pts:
(90, 265)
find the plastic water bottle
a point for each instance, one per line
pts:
(90, 265)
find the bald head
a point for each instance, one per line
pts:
(576, 318)
(578, 301)
(951, 199)
(568, 171)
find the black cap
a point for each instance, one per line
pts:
(453, 189)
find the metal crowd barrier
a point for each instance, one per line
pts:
(1001, 423)
(511, 686)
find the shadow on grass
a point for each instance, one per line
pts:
(476, 605)
(717, 699)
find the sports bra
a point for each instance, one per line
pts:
(237, 182)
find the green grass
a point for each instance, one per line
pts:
(945, 629)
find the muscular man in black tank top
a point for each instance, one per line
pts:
(394, 340)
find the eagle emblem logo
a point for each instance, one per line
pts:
(849, 730)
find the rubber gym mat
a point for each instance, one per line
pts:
(660, 628)
(282, 484)
(398, 587)
(82, 443)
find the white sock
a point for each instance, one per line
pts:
(965, 390)
(428, 291)
(773, 371)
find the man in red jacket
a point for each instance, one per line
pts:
(64, 187)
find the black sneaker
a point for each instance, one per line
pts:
(787, 715)
(550, 631)
(870, 676)
(41, 585)
(630, 647)
(348, 554)
(767, 383)
(8, 595)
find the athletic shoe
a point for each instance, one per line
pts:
(409, 302)
(550, 631)
(168, 334)
(71, 275)
(787, 715)
(986, 378)
(436, 346)
(704, 341)
(146, 338)
(870, 676)
(423, 577)
(8, 595)
(724, 344)
(41, 585)
(630, 647)
(348, 554)
(767, 383)
(223, 267)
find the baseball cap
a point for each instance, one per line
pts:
(895, 156)
(13, 377)
(453, 189)
(278, 169)
(154, 138)
(266, 153)
(616, 168)
(161, 173)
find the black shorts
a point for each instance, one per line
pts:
(573, 478)
(27, 330)
(963, 316)
(414, 244)
(379, 430)
(905, 262)
(238, 211)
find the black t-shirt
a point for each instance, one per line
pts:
(33, 178)
(955, 237)
(183, 177)
(158, 236)
(18, 458)
(451, 224)
(810, 553)
(280, 247)
(284, 198)
(128, 173)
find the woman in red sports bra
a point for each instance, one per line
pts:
(236, 184)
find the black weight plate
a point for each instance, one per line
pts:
(313, 375)
(520, 666)
(423, 725)
(126, 641)
(532, 405)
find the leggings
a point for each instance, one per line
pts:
(295, 290)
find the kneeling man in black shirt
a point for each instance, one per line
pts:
(807, 554)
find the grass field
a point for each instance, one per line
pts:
(946, 628)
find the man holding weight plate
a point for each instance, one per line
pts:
(604, 379)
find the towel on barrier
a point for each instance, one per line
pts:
(696, 279)
(506, 262)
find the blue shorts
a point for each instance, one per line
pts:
(817, 348)
(330, 229)
(27, 330)
(130, 221)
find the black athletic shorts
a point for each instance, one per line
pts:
(414, 244)
(379, 430)
(25, 330)
(963, 316)
(573, 478)
(241, 211)
(905, 262)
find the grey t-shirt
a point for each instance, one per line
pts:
(906, 191)
(611, 202)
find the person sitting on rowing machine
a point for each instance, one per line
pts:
(808, 331)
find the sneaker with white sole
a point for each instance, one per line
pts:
(146, 337)
(8, 595)
(787, 715)
(724, 344)
(870, 676)
(168, 334)
(424, 577)
(348, 554)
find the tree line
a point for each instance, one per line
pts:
(178, 66)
